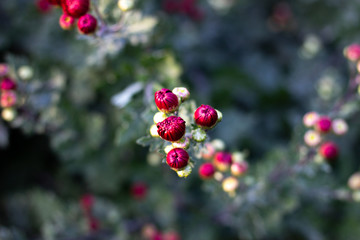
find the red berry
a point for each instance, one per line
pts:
(329, 150)
(66, 22)
(8, 99)
(76, 8)
(171, 129)
(205, 116)
(222, 160)
(206, 170)
(54, 2)
(87, 24)
(166, 101)
(139, 190)
(7, 84)
(177, 158)
(323, 125)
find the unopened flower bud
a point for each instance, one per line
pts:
(8, 99)
(310, 119)
(198, 135)
(183, 143)
(4, 69)
(352, 52)
(205, 116)
(171, 129)
(168, 148)
(182, 93)
(354, 181)
(185, 172)
(159, 117)
(220, 115)
(153, 131)
(223, 161)
(25, 72)
(206, 170)
(8, 114)
(239, 168)
(177, 158)
(87, 24)
(75, 8)
(125, 5)
(166, 101)
(323, 124)
(329, 150)
(339, 126)
(66, 21)
(230, 184)
(312, 138)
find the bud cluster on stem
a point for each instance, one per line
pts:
(8, 98)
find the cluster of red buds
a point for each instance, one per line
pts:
(186, 7)
(222, 166)
(87, 204)
(321, 129)
(172, 128)
(75, 10)
(8, 98)
(150, 232)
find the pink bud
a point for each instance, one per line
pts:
(7, 84)
(206, 170)
(171, 129)
(323, 124)
(166, 101)
(329, 150)
(222, 160)
(205, 116)
(66, 22)
(139, 190)
(310, 119)
(8, 99)
(352, 52)
(87, 24)
(177, 158)
(239, 168)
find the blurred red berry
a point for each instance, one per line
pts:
(139, 190)
(87, 24)
(205, 116)
(171, 129)
(239, 168)
(329, 150)
(166, 101)
(75, 8)
(177, 158)
(66, 22)
(323, 124)
(7, 84)
(206, 170)
(43, 6)
(222, 160)
(87, 202)
(8, 99)
(54, 2)
(352, 52)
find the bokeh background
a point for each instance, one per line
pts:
(262, 63)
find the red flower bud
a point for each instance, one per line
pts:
(323, 125)
(8, 99)
(205, 116)
(7, 84)
(87, 24)
(239, 168)
(352, 52)
(166, 101)
(329, 150)
(54, 2)
(171, 129)
(177, 158)
(206, 170)
(43, 6)
(222, 160)
(87, 202)
(75, 8)
(66, 22)
(139, 190)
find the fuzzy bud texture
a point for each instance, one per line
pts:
(7, 84)
(206, 170)
(153, 131)
(66, 21)
(177, 158)
(310, 119)
(8, 99)
(182, 93)
(183, 143)
(185, 172)
(205, 116)
(171, 129)
(166, 101)
(239, 168)
(339, 126)
(323, 125)
(352, 52)
(329, 150)
(222, 160)
(198, 135)
(76, 8)
(312, 138)
(87, 24)
(159, 117)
